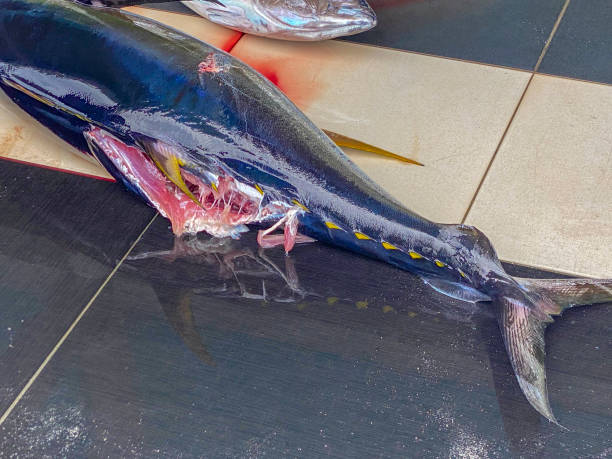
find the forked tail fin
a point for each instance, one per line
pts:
(523, 316)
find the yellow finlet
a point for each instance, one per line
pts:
(386, 309)
(344, 141)
(362, 304)
(462, 273)
(300, 205)
(359, 235)
(415, 255)
(258, 188)
(439, 264)
(213, 185)
(331, 225)
(388, 246)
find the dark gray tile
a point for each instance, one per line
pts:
(502, 32)
(60, 237)
(582, 45)
(225, 351)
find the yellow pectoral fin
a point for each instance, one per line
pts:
(171, 168)
(344, 141)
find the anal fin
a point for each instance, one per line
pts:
(456, 290)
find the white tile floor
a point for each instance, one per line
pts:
(547, 200)
(23, 139)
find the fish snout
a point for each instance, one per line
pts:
(346, 17)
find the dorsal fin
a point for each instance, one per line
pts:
(344, 141)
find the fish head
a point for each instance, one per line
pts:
(317, 19)
(302, 20)
(195, 191)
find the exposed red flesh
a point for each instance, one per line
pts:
(132, 162)
(290, 235)
(210, 65)
(225, 203)
(221, 207)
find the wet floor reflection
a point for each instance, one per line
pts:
(228, 268)
(215, 348)
(318, 278)
(376, 312)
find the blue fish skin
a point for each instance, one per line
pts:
(77, 69)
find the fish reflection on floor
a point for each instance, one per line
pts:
(236, 261)
(398, 305)
(239, 269)
(243, 272)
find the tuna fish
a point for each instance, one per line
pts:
(215, 147)
(300, 20)
(304, 20)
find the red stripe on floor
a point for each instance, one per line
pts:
(229, 45)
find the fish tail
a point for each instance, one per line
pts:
(524, 311)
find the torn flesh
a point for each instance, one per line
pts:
(225, 206)
(290, 235)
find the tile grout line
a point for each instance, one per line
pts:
(425, 54)
(549, 270)
(72, 326)
(569, 78)
(499, 144)
(552, 34)
(520, 101)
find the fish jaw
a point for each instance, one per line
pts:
(290, 19)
